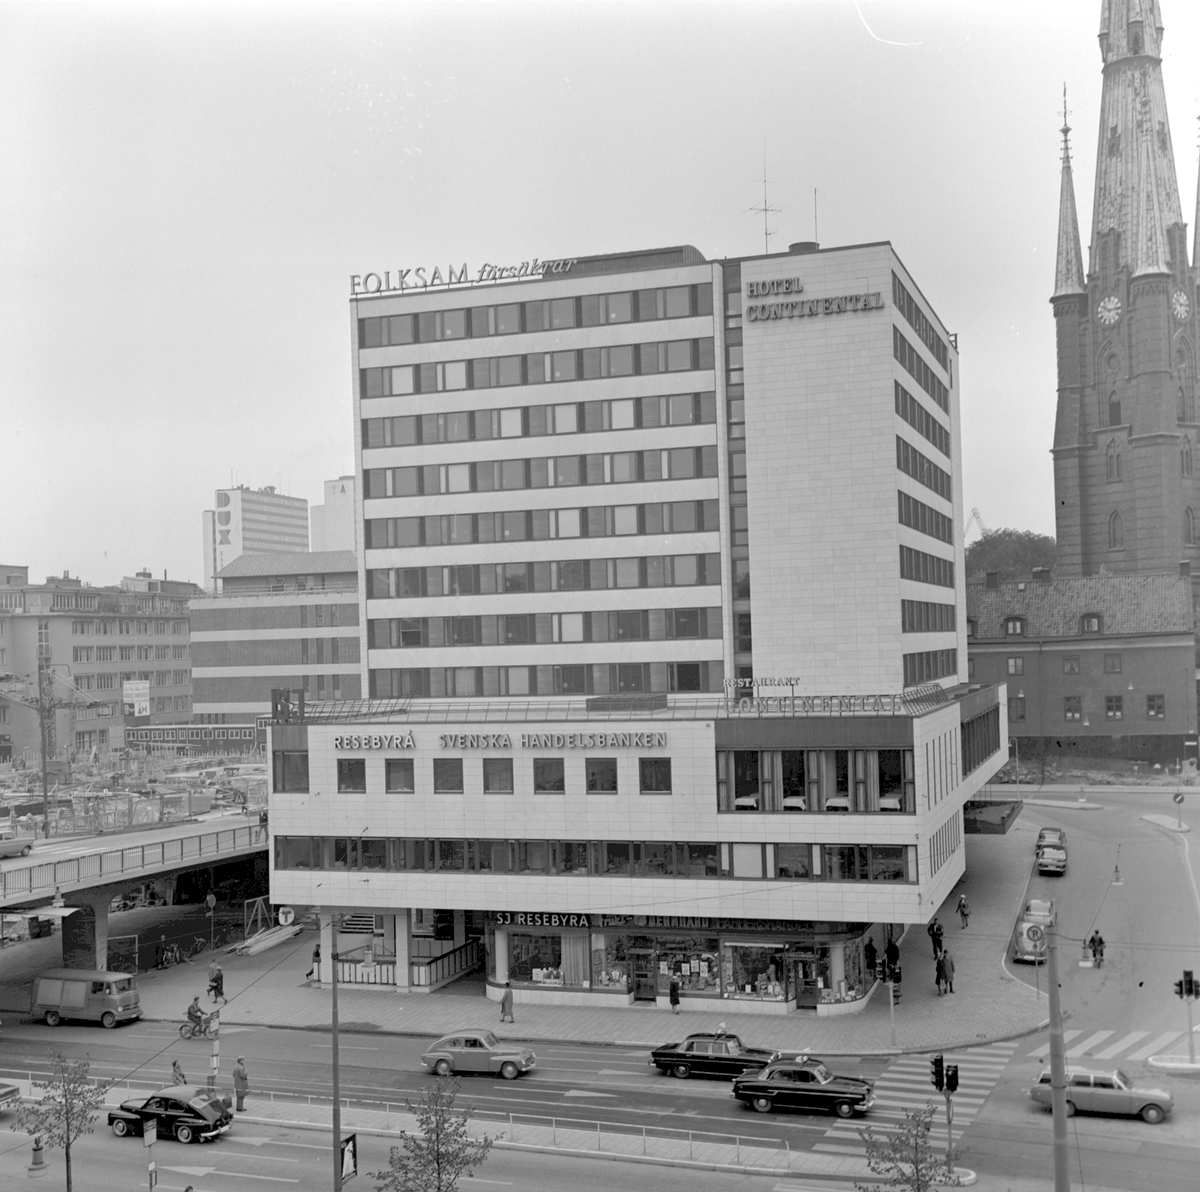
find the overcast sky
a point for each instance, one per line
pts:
(185, 189)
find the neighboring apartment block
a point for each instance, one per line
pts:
(334, 524)
(251, 521)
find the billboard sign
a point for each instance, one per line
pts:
(135, 695)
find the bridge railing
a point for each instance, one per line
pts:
(139, 858)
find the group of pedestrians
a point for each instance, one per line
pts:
(943, 961)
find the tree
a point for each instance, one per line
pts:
(905, 1161)
(67, 1107)
(442, 1153)
(1013, 553)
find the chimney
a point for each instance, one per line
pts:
(1041, 575)
(993, 579)
(1185, 568)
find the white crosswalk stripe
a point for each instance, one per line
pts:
(904, 1085)
(1086, 1046)
(1114, 1049)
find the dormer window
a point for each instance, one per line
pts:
(970, 627)
(1014, 627)
(1091, 623)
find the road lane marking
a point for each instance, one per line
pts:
(1116, 1048)
(341, 1047)
(1044, 1050)
(1087, 1044)
(588, 1093)
(1154, 1046)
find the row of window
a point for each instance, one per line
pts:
(537, 368)
(914, 364)
(521, 629)
(924, 423)
(922, 469)
(915, 317)
(115, 627)
(561, 575)
(1015, 627)
(553, 471)
(554, 314)
(980, 739)
(591, 679)
(618, 858)
(535, 525)
(127, 653)
(921, 616)
(924, 519)
(519, 422)
(160, 678)
(816, 780)
(1114, 707)
(927, 665)
(1070, 664)
(926, 569)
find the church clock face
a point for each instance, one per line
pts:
(1109, 310)
(1180, 306)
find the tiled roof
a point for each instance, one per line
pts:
(306, 562)
(1160, 603)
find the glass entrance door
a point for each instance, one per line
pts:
(645, 975)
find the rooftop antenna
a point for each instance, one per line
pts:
(766, 208)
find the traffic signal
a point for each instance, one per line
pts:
(951, 1078)
(937, 1072)
(1179, 989)
(1189, 984)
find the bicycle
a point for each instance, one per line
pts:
(198, 946)
(190, 1029)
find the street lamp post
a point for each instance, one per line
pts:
(1058, 1067)
(41, 682)
(1017, 751)
(337, 1085)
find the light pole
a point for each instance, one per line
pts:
(337, 1086)
(1058, 1068)
(41, 682)
(1017, 750)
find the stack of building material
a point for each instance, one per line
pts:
(262, 940)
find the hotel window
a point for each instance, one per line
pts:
(497, 776)
(1156, 707)
(654, 774)
(398, 776)
(352, 774)
(549, 776)
(1014, 627)
(1016, 666)
(1073, 707)
(448, 775)
(1016, 707)
(1070, 664)
(1114, 707)
(601, 775)
(1112, 664)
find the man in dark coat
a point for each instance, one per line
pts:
(933, 929)
(891, 955)
(870, 956)
(948, 965)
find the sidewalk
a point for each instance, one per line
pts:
(989, 1004)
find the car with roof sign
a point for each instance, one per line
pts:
(710, 1053)
(806, 1085)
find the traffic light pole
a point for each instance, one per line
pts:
(1058, 1068)
(949, 1125)
(1187, 1001)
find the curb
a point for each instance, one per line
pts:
(1064, 805)
(1165, 823)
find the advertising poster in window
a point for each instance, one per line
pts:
(135, 696)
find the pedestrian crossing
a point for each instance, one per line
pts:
(1133, 1047)
(904, 1085)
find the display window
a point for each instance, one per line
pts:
(554, 960)
(610, 962)
(809, 972)
(755, 971)
(693, 962)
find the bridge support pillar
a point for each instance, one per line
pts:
(85, 933)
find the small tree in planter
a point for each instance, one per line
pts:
(905, 1161)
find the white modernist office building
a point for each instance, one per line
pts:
(663, 610)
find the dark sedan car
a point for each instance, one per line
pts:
(710, 1054)
(806, 1085)
(187, 1112)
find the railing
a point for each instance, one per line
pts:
(354, 972)
(136, 859)
(432, 970)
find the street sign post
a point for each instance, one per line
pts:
(150, 1132)
(1177, 798)
(287, 916)
(349, 1157)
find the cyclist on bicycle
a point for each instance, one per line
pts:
(195, 1013)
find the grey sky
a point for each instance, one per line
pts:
(187, 188)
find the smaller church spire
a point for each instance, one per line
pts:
(1196, 225)
(1068, 268)
(1150, 247)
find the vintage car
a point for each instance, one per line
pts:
(1052, 859)
(1040, 911)
(478, 1051)
(1025, 946)
(10, 1095)
(13, 845)
(1106, 1092)
(185, 1112)
(710, 1054)
(1054, 837)
(806, 1085)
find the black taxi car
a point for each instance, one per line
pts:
(713, 1053)
(185, 1112)
(804, 1084)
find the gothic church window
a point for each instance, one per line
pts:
(1114, 409)
(1116, 531)
(1186, 390)
(1189, 527)
(1112, 468)
(1185, 457)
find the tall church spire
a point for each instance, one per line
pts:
(1137, 192)
(1196, 225)
(1068, 267)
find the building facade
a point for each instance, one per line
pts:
(334, 525)
(643, 536)
(1095, 665)
(251, 521)
(278, 621)
(1127, 491)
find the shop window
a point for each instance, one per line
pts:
(497, 776)
(352, 774)
(549, 777)
(601, 775)
(398, 776)
(535, 959)
(754, 971)
(654, 775)
(448, 775)
(692, 963)
(1156, 707)
(793, 861)
(291, 771)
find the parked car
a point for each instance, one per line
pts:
(185, 1112)
(710, 1054)
(804, 1084)
(90, 994)
(1056, 837)
(12, 845)
(478, 1051)
(1040, 911)
(1052, 860)
(1030, 950)
(1106, 1092)
(10, 1094)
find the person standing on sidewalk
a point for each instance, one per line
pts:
(939, 972)
(673, 995)
(241, 1082)
(948, 966)
(316, 960)
(506, 1004)
(891, 956)
(870, 956)
(964, 910)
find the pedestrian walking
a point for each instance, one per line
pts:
(316, 960)
(939, 973)
(891, 954)
(870, 956)
(948, 964)
(1096, 943)
(216, 981)
(673, 995)
(939, 933)
(177, 1076)
(241, 1082)
(506, 1004)
(964, 910)
(931, 930)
